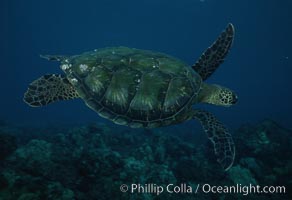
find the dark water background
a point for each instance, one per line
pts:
(258, 67)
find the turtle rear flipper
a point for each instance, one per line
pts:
(214, 55)
(219, 136)
(49, 88)
(54, 57)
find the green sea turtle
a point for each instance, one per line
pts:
(141, 88)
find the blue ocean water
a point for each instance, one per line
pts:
(258, 67)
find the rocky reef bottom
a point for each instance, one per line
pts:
(93, 162)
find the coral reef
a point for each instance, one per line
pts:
(7, 145)
(93, 161)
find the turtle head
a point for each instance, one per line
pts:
(217, 95)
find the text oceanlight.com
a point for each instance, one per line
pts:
(184, 188)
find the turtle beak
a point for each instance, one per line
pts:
(234, 99)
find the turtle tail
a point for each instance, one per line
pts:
(49, 88)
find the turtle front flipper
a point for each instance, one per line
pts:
(214, 55)
(219, 136)
(49, 88)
